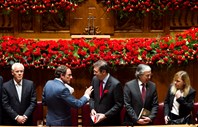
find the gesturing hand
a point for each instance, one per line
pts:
(178, 94)
(89, 90)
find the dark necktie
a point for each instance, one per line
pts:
(101, 88)
(143, 92)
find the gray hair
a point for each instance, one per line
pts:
(16, 65)
(141, 68)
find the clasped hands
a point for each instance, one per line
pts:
(97, 117)
(21, 119)
(144, 120)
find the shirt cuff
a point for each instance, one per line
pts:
(16, 117)
(87, 96)
(25, 116)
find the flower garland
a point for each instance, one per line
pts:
(127, 7)
(77, 53)
(39, 6)
(122, 7)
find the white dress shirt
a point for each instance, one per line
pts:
(19, 89)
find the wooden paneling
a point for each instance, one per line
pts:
(64, 24)
(80, 18)
(183, 19)
(6, 24)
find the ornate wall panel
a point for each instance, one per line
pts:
(134, 23)
(26, 22)
(183, 19)
(89, 14)
(55, 22)
(6, 23)
(156, 22)
(91, 18)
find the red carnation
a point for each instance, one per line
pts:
(106, 91)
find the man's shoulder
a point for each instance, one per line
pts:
(27, 81)
(114, 80)
(131, 82)
(8, 82)
(53, 82)
(152, 84)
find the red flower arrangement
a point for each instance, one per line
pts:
(126, 7)
(78, 53)
(39, 6)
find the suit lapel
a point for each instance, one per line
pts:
(98, 87)
(137, 89)
(13, 88)
(23, 90)
(147, 92)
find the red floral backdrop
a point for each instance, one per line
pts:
(149, 5)
(180, 49)
(121, 6)
(39, 6)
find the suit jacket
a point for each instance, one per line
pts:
(186, 103)
(111, 101)
(58, 99)
(1, 83)
(13, 106)
(133, 101)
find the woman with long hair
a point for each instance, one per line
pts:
(179, 101)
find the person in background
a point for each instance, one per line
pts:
(1, 83)
(180, 98)
(140, 93)
(58, 98)
(107, 99)
(18, 98)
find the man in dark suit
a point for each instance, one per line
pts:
(58, 98)
(18, 98)
(138, 94)
(1, 83)
(107, 99)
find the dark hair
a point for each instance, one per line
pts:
(60, 70)
(102, 65)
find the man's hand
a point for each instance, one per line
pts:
(144, 120)
(100, 117)
(21, 119)
(89, 90)
(93, 112)
(166, 119)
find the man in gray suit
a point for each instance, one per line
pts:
(18, 98)
(58, 98)
(139, 94)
